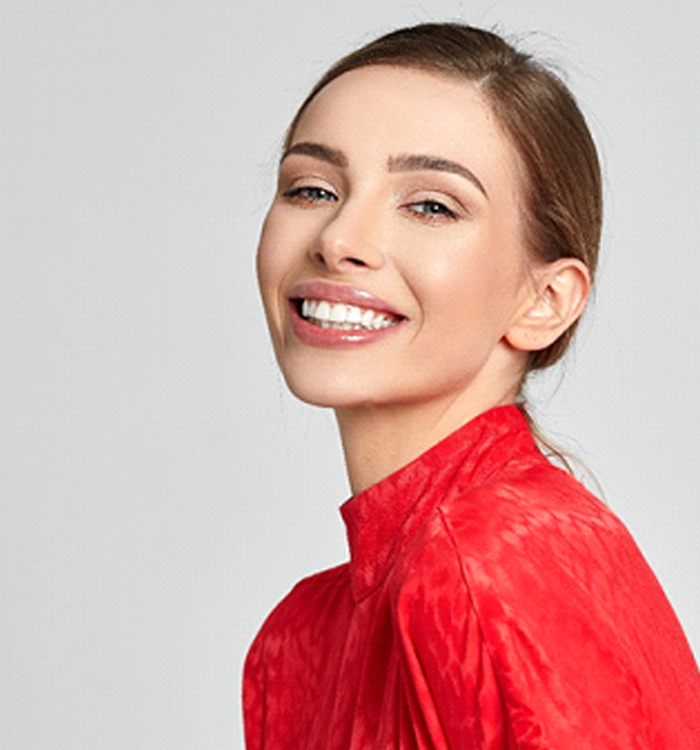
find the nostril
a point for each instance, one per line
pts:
(325, 261)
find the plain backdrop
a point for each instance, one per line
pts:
(160, 488)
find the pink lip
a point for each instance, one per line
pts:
(335, 338)
(341, 293)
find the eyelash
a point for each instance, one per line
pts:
(304, 193)
(313, 194)
(434, 216)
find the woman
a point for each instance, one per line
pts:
(433, 239)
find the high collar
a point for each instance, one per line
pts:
(381, 518)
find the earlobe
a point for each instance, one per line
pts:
(557, 302)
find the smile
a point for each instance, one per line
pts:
(339, 316)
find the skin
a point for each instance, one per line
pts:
(447, 256)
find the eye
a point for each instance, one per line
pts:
(432, 210)
(309, 194)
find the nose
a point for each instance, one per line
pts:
(349, 240)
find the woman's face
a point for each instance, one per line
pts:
(399, 185)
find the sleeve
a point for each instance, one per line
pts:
(549, 633)
(449, 684)
(253, 694)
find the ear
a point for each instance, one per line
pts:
(554, 302)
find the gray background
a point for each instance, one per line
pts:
(160, 489)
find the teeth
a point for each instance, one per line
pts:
(367, 318)
(339, 313)
(323, 310)
(346, 317)
(354, 314)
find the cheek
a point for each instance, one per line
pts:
(283, 244)
(269, 259)
(462, 280)
(469, 287)
(263, 262)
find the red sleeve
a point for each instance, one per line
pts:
(545, 632)
(449, 682)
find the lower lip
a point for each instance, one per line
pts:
(335, 337)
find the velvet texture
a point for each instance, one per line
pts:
(490, 601)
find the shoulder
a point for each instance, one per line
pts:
(306, 600)
(529, 536)
(539, 511)
(535, 552)
(537, 577)
(525, 508)
(314, 589)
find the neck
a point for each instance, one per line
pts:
(378, 440)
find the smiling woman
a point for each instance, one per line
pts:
(433, 238)
(436, 235)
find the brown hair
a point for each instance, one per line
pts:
(561, 191)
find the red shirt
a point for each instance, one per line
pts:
(490, 601)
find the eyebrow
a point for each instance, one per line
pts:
(400, 163)
(410, 162)
(317, 150)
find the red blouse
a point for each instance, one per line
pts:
(490, 602)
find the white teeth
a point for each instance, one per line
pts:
(354, 314)
(323, 310)
(346, 317)
(338, 313)
(367, 318)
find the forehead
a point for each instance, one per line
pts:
(379, 110)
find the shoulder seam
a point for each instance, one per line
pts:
(477, 614)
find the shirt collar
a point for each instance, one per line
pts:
(381, 518)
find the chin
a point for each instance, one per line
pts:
(318, 394)
(333, 392)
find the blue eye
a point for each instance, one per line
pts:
(432, 208)
(310, 193)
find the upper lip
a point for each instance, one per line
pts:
(350, 295)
